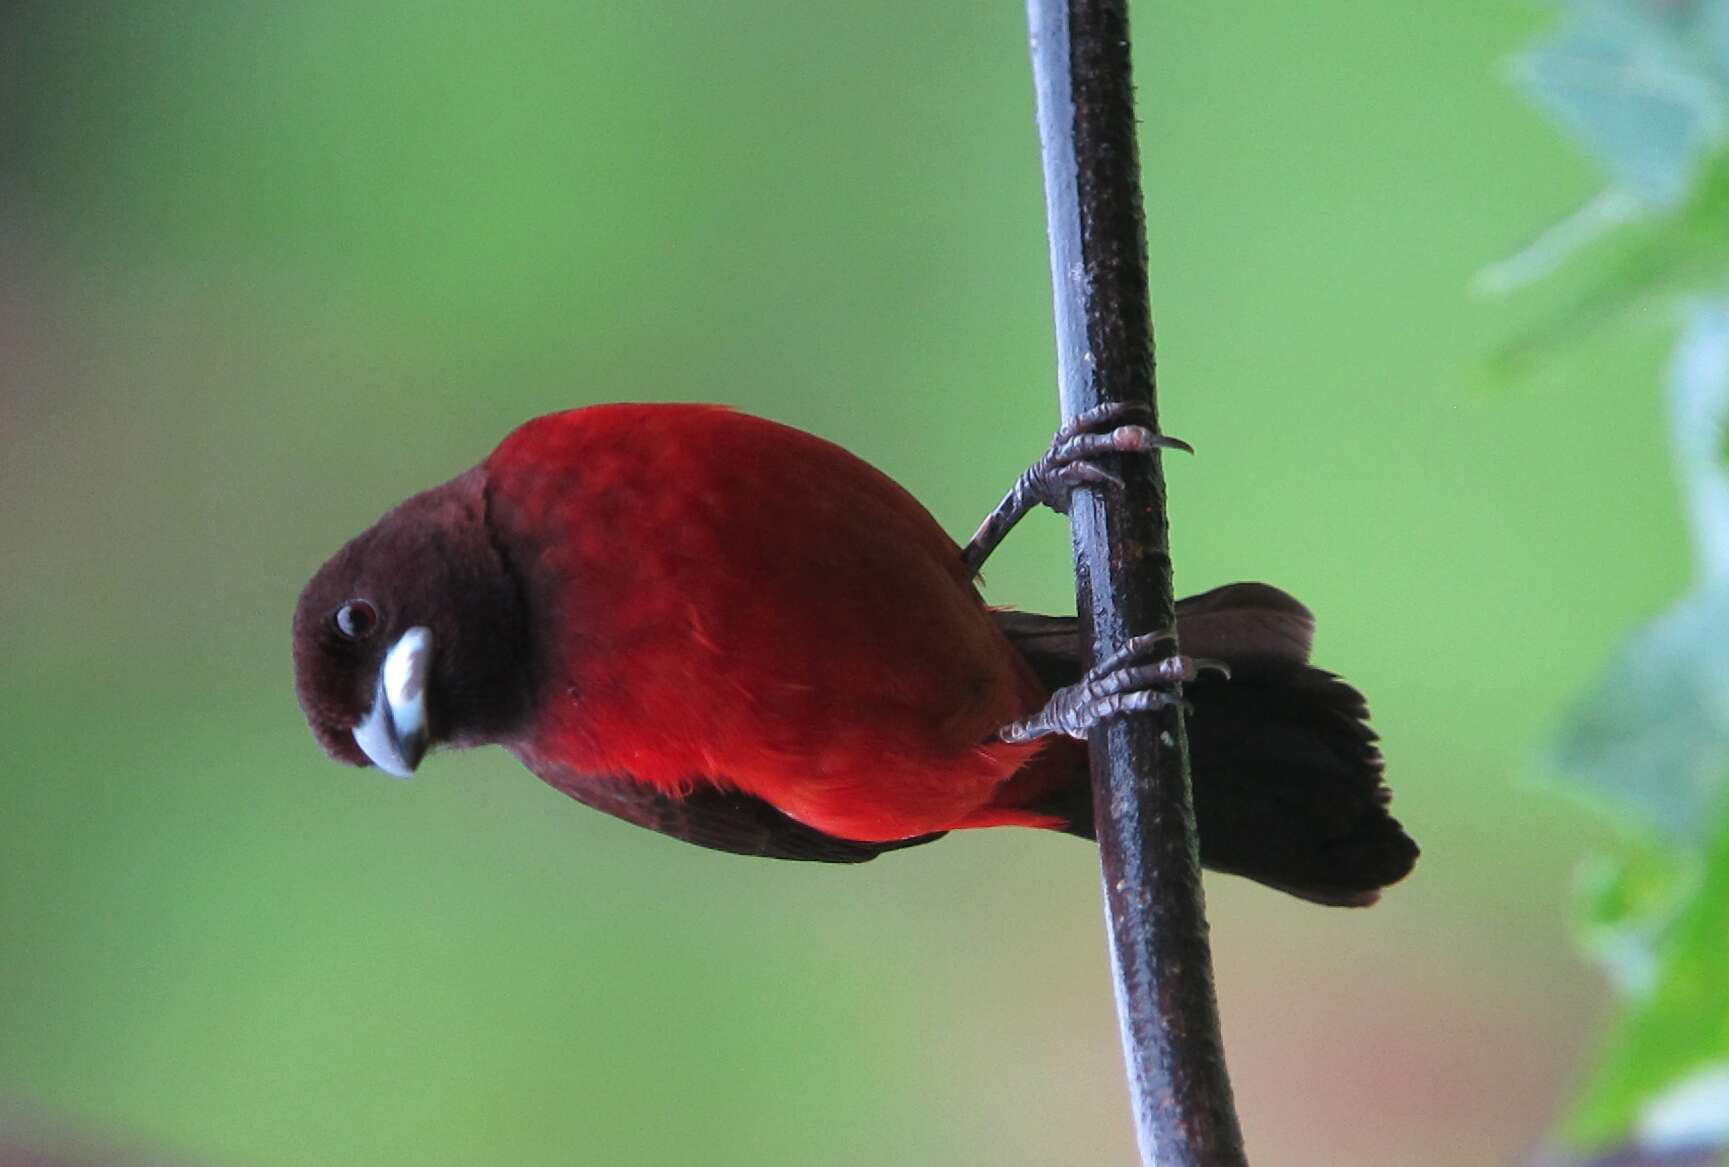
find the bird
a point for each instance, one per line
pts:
(741, 635)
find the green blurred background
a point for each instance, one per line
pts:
(264, 270)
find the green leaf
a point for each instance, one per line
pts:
(1624, 905)
(1640, 86)
(1649, 746)
(1653, 263)
(1651, 736)
(1644, 88)
(1677, 1037)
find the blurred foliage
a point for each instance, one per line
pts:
(1653, 734)
(1650, 746)
(1644, 86)
(1663, 1077)
(1641, 84)
(1644, 274)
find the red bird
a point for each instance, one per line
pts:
(741, 635)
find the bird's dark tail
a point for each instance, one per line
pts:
(1287, 776)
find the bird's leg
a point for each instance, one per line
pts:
(1135, 679)
(1074, 459)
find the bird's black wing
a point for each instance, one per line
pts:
(725, 820)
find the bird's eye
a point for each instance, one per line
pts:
(356, 619)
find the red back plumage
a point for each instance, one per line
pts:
(738, 602)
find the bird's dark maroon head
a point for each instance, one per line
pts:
(413, 635)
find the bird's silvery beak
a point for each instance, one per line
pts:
(395, 733)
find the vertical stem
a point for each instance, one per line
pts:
(1142, 804)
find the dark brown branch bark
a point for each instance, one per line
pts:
(1144, 813)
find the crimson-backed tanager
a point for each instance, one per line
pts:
(738, 634)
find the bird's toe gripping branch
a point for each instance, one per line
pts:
(1135, 679)
(1076, 458)
(1073, 459)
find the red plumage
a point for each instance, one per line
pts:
(732, 600)
(741, 635)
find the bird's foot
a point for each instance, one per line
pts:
(1133, 680)
(1076, 458)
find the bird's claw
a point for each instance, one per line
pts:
(1074, 457)
(1141, 649)
(1134, 679)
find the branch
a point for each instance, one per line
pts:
(1144, 813)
